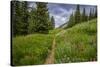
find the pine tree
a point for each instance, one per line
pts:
(95, 12)
(19, 17)
(42, 18)
(24, 17)
(52, 23)
(32, 21)
(40, 23)
(90, 14)
(83, 15)
(71, 21)
(15, 17)
(77, 15)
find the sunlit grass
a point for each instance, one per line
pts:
(77, 44)
(31, 49)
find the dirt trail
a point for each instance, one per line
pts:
(61, 32)
(50, 58)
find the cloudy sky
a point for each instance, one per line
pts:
(62, 12)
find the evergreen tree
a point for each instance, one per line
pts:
(24, 17)
(42, 18)
(90, 14)
(71, 21)
(95, 12)
(15, 17)
(40, 23)
(52, 23)
(19, 17)
(24, 22)
(32, 21)
(77, 15)
(84, 17)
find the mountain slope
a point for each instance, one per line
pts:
(78, 43)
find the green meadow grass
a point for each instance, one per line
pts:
(55, 31)
(77, 44)
(31, 49)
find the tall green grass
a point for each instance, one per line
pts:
(77, 44)
(55, 31)
(31, 49)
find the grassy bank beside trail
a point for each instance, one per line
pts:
(55, 31)
(31, 49)
(77, 44)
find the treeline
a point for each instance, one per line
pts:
(26, 21)
(78, 17)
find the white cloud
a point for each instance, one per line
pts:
(59, 20)
(62, 17)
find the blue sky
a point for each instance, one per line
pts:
(62, 12)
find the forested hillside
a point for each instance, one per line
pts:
(43, 34)
(27, 21)
(78, 17)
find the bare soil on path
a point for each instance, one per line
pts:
(50, 57)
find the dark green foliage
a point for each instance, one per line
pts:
(52, 23)
(41, 18)
(12, 15)
(95, 15)
(24, 17)
(90, 15)
(71, 21)
(74, 18)
(84, 17)
(33, 21)
(78, 17)
(19, 17)
(15, 16)
(77, 14)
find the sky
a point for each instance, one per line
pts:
(62, 12)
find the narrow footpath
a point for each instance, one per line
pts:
(50, 58)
